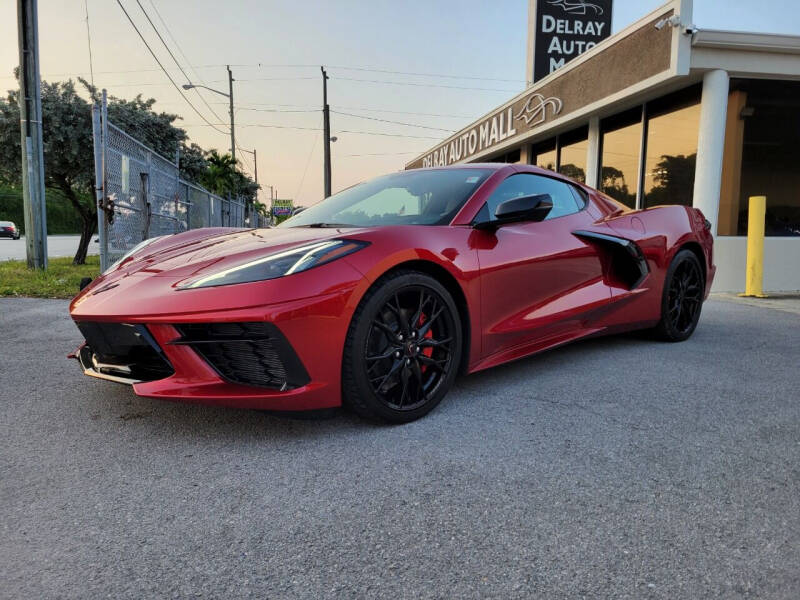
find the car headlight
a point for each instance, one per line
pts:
(295, 260)
(131, 252)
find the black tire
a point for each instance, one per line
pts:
(682, 299)
(402, 350)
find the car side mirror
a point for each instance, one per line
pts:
(535, 207)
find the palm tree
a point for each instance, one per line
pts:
(221, 175)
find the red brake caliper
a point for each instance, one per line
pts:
(428, 350)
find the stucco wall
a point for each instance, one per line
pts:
(781, 264)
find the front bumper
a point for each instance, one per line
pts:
(311, 359)
(311, 312)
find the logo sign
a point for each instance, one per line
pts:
(565, 29)
(523, 115)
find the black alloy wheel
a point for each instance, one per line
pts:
(403, 349)
(684, 288)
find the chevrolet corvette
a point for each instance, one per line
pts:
(380, 295)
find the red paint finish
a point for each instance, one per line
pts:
(523, 288)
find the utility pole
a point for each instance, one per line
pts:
(30, 109)
(326, 113)
(255, 167)
(230, 99)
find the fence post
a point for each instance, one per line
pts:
(145, 187)
(102, 217)
(754, 283)
(97, 143)
(176, 195)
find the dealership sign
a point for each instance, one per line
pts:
(282, 208)
(502, 125)
(565, 29)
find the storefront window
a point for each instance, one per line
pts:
(671, 150)
(761, 157)
(511, 157)
(621, 143)
(544, 155)
(573, 148)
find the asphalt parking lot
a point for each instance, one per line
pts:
(613, 468)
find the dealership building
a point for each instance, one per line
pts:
(666, 113)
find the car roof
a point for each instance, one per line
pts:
(519, 167)
(6, 222)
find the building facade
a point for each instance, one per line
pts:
(664, 113)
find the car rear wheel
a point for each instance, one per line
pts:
(403, 348)
(682, 300)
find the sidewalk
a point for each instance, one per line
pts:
(785, 301)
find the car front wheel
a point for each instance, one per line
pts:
(403, 348)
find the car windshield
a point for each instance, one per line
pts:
(415, 197)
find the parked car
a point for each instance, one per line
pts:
(378, 296)
(9, 230)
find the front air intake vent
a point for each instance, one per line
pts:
(252, 353)
(124, 350)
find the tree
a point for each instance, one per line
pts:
(223, 177)
(673, 180)
(68, 143)
(68, 157)
(613, 184)
(573, 172)
(193, 162)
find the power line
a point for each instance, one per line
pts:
(437, 85)
(144, 41)
(314, 66)
(406, 112)
(89, 41)
(276, 79)
(271, 126)
(368, 109)
(370, 70)
(169, 33)
(388, 72)
(308, 162)
(381, 154)
(273, 110)
(393, 122)
(400, 135)
(244, 158)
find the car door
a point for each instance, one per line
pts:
(539, 282)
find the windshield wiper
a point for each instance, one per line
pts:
(321, 225)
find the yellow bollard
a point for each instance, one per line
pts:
(754, 285)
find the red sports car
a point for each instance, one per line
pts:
(380, 295)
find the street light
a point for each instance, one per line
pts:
(229, 96)
(189, 86)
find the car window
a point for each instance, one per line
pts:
(414, 197)
(527, 184)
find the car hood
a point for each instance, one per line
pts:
(202, 251)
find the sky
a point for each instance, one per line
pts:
(431, 66)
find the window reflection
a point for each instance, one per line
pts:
(670, 156)
(619, 172)
(545, 155)
(511, 157)
(573, 151)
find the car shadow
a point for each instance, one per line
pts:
(189, 420)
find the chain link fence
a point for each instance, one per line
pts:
(140, 194)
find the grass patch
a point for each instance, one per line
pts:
(60, 280)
